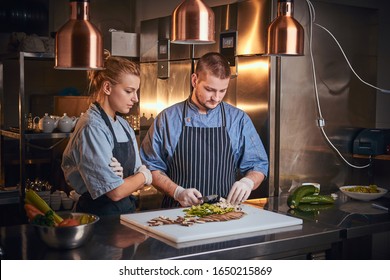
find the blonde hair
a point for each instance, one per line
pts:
(114, 67)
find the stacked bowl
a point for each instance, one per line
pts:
(55, 200)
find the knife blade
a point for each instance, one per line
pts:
(214, 198)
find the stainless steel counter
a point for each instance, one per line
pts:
(354, 218)
(322, 235)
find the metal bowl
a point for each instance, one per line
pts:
(67, 237)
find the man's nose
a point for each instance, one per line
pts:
(216, 97)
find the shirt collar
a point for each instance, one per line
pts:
(95, 108)
(195, 108)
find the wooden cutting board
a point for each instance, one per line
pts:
(255, 220)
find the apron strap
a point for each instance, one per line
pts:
(106, 119)
(108, 123)
(183, 119)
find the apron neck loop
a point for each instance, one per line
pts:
(106, 119)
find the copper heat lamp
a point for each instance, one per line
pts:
(79, 44)
(193, 22)
(285, 34)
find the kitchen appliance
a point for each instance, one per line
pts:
(123, 44)
(371, 142)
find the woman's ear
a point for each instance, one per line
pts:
(107, 88)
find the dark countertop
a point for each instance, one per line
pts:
(323, 232)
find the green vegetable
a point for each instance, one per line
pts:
(307, 215)
(364, 189)
(317, 199)
(44, 220)
(33, 198)
(294, 199)
(206, 209)
(314, 207)
(86, 219)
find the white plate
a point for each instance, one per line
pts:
(362, 196)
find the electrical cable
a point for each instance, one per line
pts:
(321, 120)
(349, 64)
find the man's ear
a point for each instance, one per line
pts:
(194, 79)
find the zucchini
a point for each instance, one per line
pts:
(307, 215)
(295, 197)
(314, 208)
(317, 199)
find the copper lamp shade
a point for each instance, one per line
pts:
(285, 34)
(79, 44)
(193, 22)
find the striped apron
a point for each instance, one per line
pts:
(203, 159)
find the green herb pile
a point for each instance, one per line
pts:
(206, 209)
(44, 220)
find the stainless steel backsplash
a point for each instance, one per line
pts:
(347, 104)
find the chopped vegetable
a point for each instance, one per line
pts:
(206, 209)
(86, 219)
(32, 211)
(69, 222)
(364, 189)
(33, 198)
(44, 220)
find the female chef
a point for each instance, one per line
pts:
(101, 161)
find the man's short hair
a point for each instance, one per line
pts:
(214, 63)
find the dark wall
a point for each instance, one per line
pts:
(28, 16)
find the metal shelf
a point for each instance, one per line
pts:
(9, 197)
(35, 136)
(27, 55)
(22, 136)
(30, 161)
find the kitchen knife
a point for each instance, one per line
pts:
(214, 198)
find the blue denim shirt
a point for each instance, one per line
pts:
(86, 158)
(160, 142)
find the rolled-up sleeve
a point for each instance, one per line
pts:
(160, 142)
(248, 147)
(152, 147)
(95, 153)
